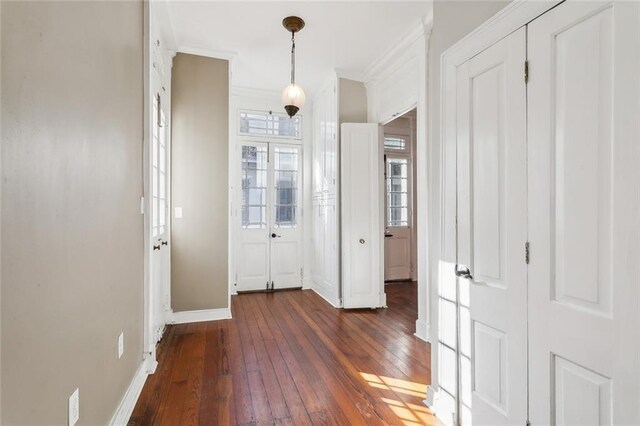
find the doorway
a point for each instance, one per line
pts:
(270, 226)
(400, 237)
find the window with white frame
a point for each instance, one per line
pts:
(269, 123)
(397, 175)
(395, 142)
(254, 187)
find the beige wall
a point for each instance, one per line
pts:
(200, 183)
(352, 106)
(72, 242)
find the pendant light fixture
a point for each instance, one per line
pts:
(293, 96)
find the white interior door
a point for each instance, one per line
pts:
(492, 231)
(361, 216)
(584, 152)
(397, 233)
(270, 227)
(160, 255)
(286, 235)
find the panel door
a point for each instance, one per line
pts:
(583, 223)
(361, 216)
(397, 231)
(285, 220)
(491, 160)
(253, 245)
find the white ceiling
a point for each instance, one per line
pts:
(344, 35)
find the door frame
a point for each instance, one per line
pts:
(512, 17)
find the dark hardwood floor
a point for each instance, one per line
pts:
(291, 358)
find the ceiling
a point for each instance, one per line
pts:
(344, 35)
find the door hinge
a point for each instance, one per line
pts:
(526, 71)
(527, 423)
(526, 252)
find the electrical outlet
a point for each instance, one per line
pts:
(74, 407)
(120, 344)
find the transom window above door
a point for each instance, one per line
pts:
(395, 142)
(269, 123)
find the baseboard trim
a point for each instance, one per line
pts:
(423, 330)
(335, 304)
(186, 317)
(127, 404)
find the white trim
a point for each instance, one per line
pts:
(423, 330)
(335, 303)
(307, 283)
(248, 92)
(201, 315)
(127, 404)
(388, 59)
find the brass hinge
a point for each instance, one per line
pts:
(526, 252)
(526, 71)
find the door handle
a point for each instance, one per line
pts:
(156, 247)
(362, 241)
(462, 271)
(274, 235)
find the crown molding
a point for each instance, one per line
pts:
(420, 30)
(210, 53)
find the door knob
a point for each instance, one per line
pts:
(274, 235)
(462, 271)
(362, 241)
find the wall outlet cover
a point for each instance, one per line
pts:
(74, 407)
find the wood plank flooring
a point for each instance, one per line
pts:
(291, 358)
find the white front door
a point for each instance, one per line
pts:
(397, 233)
(159, 244)
(361, 216)
(584, 276)
(492, 231)
(270, 225)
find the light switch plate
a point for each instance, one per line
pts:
(74, 407)
(120, 345)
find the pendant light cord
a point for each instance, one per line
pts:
(293, 57)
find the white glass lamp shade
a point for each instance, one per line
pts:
(293, 99)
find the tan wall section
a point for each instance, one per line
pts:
(353, 101)
(200, 183)
(72, 242)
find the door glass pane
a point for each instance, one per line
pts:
(285, 169)
(397, 192)
(254, 187)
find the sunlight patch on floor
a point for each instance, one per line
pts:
(408, 413)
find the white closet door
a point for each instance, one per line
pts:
(362, 218)
(583, 194)
(491, 143)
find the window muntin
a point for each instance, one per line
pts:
(397, 175)
(254, 187)
(395, 143)
(268, 123)
(285, 174)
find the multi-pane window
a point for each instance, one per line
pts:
(254, 187)
(268, 123)
(159, 172)
(397, 191)
(285, 171)
(396, 143)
